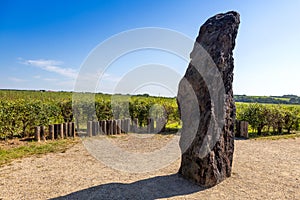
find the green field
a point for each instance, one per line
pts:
(21, 111)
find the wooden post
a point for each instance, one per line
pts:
(241, 129)
(151, 125)
(73, 131)
(107, 127)
(148, 125)
(124, 122)
(122, 125)
(164, 122)
(89, 128)
(128, 125)
(237, 128)
(158, 125)
(135, 125)
(42, 133)
(61, 131)
(55, 131)
(111, 129)
(37, 135)
(65, 129)
(95, 128)
(51, 132)
(104, 130)
(77, 126)
(119, 128)
(114, 127)
(70, 129)
(100, 127)
(244, 129)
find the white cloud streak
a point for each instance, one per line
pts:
(106, 80)
(52, 66)
(17, 80)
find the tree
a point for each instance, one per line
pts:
(255, 114)
(291, 119)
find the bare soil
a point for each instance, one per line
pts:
(262, 169)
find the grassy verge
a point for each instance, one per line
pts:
(276, 137)
(34, 148)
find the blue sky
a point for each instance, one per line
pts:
(44, 43)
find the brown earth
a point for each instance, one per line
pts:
(262, 169)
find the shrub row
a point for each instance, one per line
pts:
(19, 117)
(266, 118)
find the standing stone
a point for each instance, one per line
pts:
(206, 104)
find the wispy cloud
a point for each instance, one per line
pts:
(52, 66)
(37, 76)
(17, 80)
(110, 77)
(85, 81)
(50, 79)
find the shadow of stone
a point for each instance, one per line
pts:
(148, 189)
(240, 138)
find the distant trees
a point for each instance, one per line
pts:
(270, 117)
(17, 118)
(285, 99)
(21, 111)
(19, 114)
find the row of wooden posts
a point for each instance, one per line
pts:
(118, 126)
(55, 131)
(113, 127)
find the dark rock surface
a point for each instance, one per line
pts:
(206, 104)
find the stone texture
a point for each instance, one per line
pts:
(206, 104)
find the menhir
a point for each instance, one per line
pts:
(206, 104)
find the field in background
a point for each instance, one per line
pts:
(21, 111)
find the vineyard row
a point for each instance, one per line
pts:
(19, 117)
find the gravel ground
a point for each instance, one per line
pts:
(262, 169)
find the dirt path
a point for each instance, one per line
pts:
(263, 169)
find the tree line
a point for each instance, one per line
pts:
(265, 119)
(21, 111)
(19, 117)
(285, 99)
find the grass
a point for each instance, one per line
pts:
(34, 148)
(276, 137)
(269, 104)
